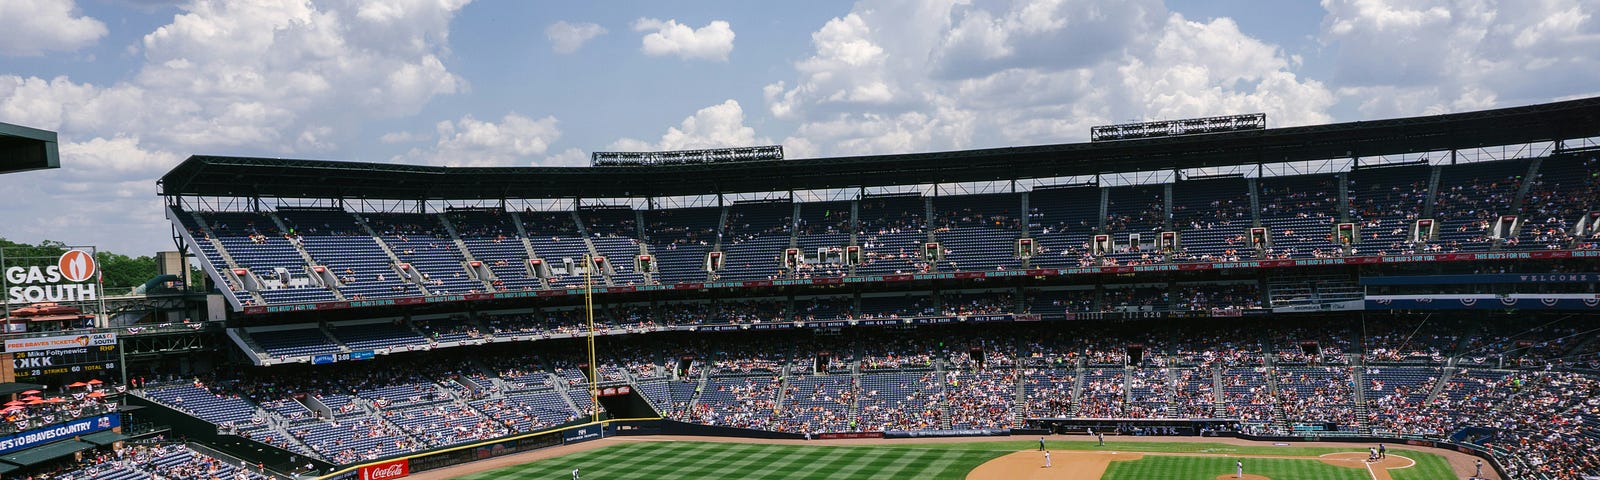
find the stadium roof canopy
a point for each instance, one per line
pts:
(23, 149)
(268, 177)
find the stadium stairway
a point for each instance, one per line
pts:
(1219, 404)
(393, 259)
(333, 339)
(583, 232)
(300, 248)
(1077, 388)
(1359, 396)
(527, 246)
(466, 255)
(227, 258)
(1019, 401)
(1280, 418)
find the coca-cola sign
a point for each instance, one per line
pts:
(387, 470)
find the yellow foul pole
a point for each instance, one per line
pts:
(588, 308)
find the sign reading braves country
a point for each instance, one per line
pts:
(41, 436)
(71, 279)
(387, 470)
(61, 342)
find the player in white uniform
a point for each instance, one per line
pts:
(1046, 459)
(1238, 468)
(574, 474)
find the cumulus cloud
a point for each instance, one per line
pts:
(34, 27)
(711, 42)
(571, 157)
(470, 142)
(1410, 58)
(717, 126)
(569, 37)
(916, 76)
(269, 77)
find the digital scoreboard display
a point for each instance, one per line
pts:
(43, 363)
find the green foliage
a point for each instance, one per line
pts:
(121, 272)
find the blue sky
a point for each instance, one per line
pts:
(135, 86)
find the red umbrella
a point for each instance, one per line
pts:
(13, 403)
(96, 394)
(56, 400)
(10, 409)
(30, 392)
(77, 384)
(30, 398)
(95, 382)
(36, 402)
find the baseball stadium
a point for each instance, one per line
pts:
(1406, 298)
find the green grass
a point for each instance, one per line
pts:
(701, 460)
(1428, 467)
(1156, 467)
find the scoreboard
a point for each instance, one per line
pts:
(43, 363)
(37, 359)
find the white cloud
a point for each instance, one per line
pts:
(470, 142)
(711, 42)
(569, 37)
(276, 76)
(894, 76)
(717, 126)
(571, 157)
(1426, 57)
(399, 137)
(33, 27)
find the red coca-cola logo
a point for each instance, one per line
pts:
(387, 470)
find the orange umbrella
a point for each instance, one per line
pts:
(10, 409)
(30, 398)
(36, 402)
(77, 384)
(56, 400)
(30, 392)
(96, 394)
(13, 403)
(95, 382)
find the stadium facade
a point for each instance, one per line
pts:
(1425, 279)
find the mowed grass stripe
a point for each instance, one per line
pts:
(684, 460)
(700, 460)
(794, 463)
(1162, 467)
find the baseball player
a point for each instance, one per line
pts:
(1041, 444)
(1238, 469)
(1046, 459)
(1102, 438)
(1382, 452)
(575, 474)
(1478, 462)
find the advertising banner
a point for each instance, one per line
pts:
(61, 341)
(41, 436)
(387, 470)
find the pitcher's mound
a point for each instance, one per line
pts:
(1247, 476)
(1358, 459)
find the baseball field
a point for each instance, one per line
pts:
(670, 459)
